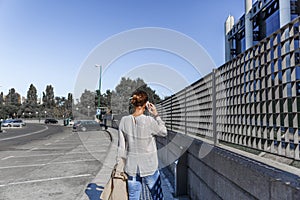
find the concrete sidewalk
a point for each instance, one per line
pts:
(104, 174)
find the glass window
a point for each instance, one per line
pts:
(272, 66)
(298, 73)
(288, 75)
(297, 58)
(296, 44)
(288, 60)
(272, 23)
(279, 64)
(279, 75)
(289, 90)
(294, 16)
(298, 90)
(279, 49)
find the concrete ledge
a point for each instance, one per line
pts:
(227, 174)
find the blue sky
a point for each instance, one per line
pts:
(48, 41)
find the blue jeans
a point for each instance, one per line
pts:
(153, 183)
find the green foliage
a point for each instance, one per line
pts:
(86, 106)
(48, 97)
(52, 106)
(12, 98)
(116, 101)
(32, 96)
(124, 90)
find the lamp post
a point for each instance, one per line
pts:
(76, 113)
(99, 86)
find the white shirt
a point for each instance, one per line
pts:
(137, 143)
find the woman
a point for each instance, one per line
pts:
(137, 147)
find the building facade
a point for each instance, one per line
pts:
(260, 20)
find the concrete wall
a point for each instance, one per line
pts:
(223, 174)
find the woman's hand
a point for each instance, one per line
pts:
(152, 109)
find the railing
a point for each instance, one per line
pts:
(251, 101)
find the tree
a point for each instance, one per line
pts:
(12, 98)
(32, 96)
(12, 103)
(69, 104)
(105, 99)
(1, 98)
(48, 97)
(86, 105)
(30, 106)
(121, 96)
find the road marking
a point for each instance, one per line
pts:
(44, 164)
(8, 157)
(4, 139)
(59, 154)
(48, 144)
(34, 148)
(45, 180)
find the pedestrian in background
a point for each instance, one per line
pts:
(137, 147)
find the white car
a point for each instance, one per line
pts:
(13, 123)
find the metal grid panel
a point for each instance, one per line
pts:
(256, 96)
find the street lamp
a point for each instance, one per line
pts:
(76, 113)
(88, 111)
(99, 85)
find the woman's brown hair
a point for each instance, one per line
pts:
(139, 98)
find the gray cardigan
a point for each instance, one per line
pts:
(137, 143)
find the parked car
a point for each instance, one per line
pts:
(51, 121)
(86, 125)
(13, 123)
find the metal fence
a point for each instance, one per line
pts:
(252, 101)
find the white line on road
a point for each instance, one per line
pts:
(47, 179)
(4, 139)
(8, 157)
(58, 154)
(48, 144)
(44, 164)
(34, 148)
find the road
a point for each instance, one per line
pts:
(49, 162)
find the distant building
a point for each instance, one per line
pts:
(260, 20)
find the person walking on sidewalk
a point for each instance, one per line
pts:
(137, 146)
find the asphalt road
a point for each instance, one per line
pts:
(49, 162)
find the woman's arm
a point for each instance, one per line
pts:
(159, 126)
(121, 142)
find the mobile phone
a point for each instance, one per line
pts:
(148, 105)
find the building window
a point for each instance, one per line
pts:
(298, 73)
(288, 75)
(289, 90)
(272, 23)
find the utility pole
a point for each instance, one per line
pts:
(99, 109)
